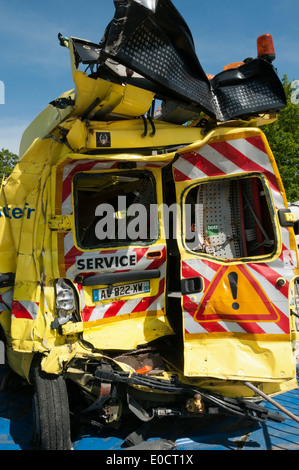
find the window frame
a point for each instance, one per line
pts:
(277, 246)
(116, 243)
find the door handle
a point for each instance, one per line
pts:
(114, 278)
(192, 285)
(154, 254)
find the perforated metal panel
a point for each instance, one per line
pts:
(157, 44)
(153, 55)
(216, 220)
(256, 95)
(232, 219)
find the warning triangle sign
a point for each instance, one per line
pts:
(235, 295)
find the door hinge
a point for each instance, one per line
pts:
(60, 223)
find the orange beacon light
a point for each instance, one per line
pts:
(265, 47)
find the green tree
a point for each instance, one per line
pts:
(283, 137)
(8, 161)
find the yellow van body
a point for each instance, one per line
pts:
(196, 291)
(229, 334)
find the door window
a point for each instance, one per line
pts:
(230, 218)
(115, 209)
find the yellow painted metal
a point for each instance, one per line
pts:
(45, 123)
(77, 135)
(97, 95)
(233, 356)
(129, 136)
(32, 227)
(29, 248)
(290, 217)
(247, 358)
(118, 100)
(128, 332)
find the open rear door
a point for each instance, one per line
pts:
(113, 253)
(237, 262)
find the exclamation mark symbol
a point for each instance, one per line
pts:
(233, 282)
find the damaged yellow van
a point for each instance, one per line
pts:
(149, 265)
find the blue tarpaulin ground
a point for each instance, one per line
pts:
(227, 433)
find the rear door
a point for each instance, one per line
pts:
(237, 262)
(114, 252)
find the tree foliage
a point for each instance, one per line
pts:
(8, 161)
(283, 137)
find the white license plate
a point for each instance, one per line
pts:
(121, 291)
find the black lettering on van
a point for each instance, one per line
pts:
(99, 263)
(132, 260)
(80, 264)
(109, 262)
(89, 263)
(122, 261)
(106, 262)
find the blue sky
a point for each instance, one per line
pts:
(36, 70)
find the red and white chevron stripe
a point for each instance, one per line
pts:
(77, 166)
(142, 304)
(24, 309)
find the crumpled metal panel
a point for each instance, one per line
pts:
(158, 45)
(152, 39)
(251, 89)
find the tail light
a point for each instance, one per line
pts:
(65, 301)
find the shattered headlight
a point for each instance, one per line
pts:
(65, 301)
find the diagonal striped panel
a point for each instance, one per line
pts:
(236, 157)
(25, 309)
(71, 252)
